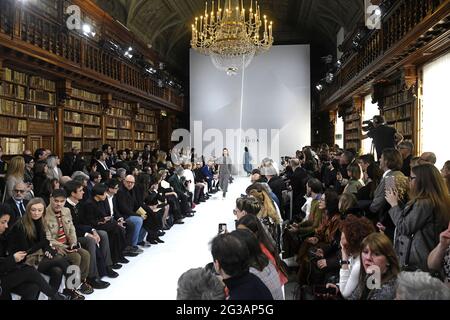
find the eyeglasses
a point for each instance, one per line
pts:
(412, 178)
(19, 191)
(235, 211)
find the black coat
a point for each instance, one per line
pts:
(247, 287)
(16, 215)
(127, 202)
(277, 185)
(18, 240)
(93, 212)
(298, 182)
(7, 262)
(176, 184)
(80, 228)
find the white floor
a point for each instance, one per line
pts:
(153, 275)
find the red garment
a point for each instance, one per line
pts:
(283, 278)
(61, 234)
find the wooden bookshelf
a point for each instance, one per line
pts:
(27, 106)
(398, 104)
(118, 121)
(145, 128)
(353, 124)
(82, 121)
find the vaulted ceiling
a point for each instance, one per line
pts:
(165, 24)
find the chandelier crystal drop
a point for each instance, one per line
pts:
(231, 35)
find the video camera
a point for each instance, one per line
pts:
(368, 125)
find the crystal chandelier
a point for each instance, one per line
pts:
(231, 36)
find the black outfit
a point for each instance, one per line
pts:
(406, 167)
(298, 184)
(383, 137)
(247, 287)
(17, 210)
(178, 187)
(92, 213)
(40, 187)
(18, 241)
(67, 164)
(277, 185)
(20, 278)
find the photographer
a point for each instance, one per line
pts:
(383, 136)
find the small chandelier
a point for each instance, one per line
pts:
(231, 36)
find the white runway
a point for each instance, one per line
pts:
(153, 275)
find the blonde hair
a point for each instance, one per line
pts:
(16, 167)
(162, 155)
(267, 207)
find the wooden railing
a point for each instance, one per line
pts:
(20, 24)
(396, 24)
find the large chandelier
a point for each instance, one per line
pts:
(231, 35)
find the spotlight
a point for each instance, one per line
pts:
(319, 87)
(232, 71)
(329, 77)
(86, 28)
(130, 49)
(338, 64)
(378, 12)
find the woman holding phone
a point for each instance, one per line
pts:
(424, 217)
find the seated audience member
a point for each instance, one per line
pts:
(231, 256)
(419, 223)
(267, 244)
(94, 241)
(421, 285)
(246, 205)
(155, 216)
(260, 265)
(132, 224)
(16, 276)
(428, 157)
(95, 213)
(354, 183)
(354, 230)
(17, 203)
(200, 284)
(54, 172)
(62, 235)
(377, 255)
(439, 258)
(177, 185)
(29, 235)
(318, 255)
(349, 205)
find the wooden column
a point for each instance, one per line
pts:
(410, 78)
(134, 114)
(105, 103)
(63, 92)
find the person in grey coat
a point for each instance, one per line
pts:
(224, 171)
(420, 222)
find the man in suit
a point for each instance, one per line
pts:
(391, 163)
(101, 263)
(17, 203)
(298, 183)
(69, 160)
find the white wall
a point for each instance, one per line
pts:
(436, 111)
(370, 110)
(275, 95)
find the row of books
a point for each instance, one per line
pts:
(400, 97)
(351, 145)
(122, 105)
(120, 144)
(145, 127)
(398, 113)
(404, 127)
(13, 90)
(118, 123)
(392, 89)
(82, 118)
(73, 131)
(353, 125)
(119, 112)
(42, 83)
(147, 112)
(140, 145)
(145, 136)
(352, 136)
(352, 116)
(118, 134)
(12, 145)
(146, 119)
(42, 96)
(85, 95)
(84, 105)
(15, 76)
(11, 125)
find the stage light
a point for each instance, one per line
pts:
(319, 87)
(86, 28)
